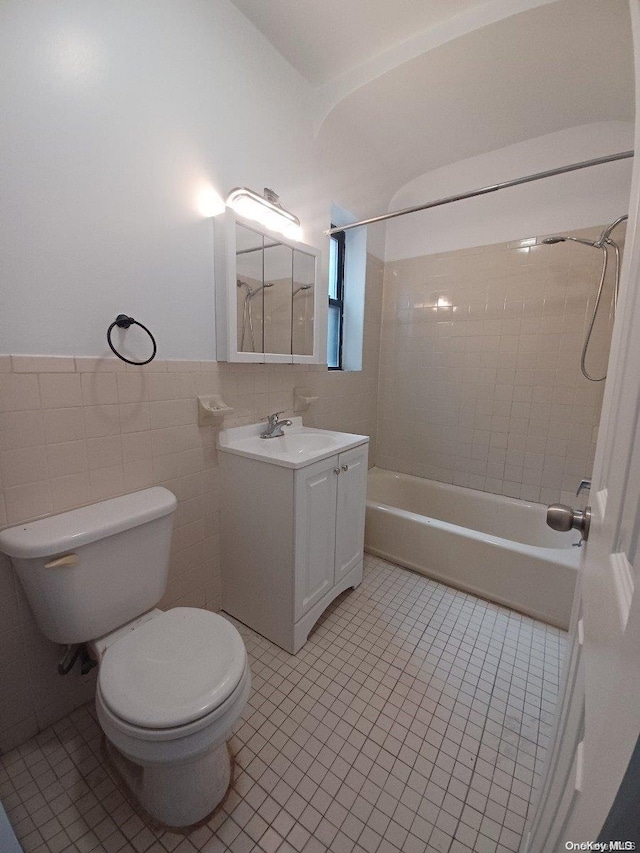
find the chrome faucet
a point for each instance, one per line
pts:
(274, 426)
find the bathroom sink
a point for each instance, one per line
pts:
(299, 446)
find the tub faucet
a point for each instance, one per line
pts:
(584, 485)
(274, 426)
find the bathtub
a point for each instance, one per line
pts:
(492, 546)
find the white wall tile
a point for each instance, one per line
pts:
(69, 491)
(490, 367)
(99, 389)
(101, 420)
(28, 501)
(64, 424)
(42, 364)
(24, 465)
(104, 452)
(60, 390)
(21, 429)
(18, 392)
(67, 457)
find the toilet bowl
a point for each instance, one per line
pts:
(171, 684)
(170, 689)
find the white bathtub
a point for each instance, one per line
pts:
(495, 547)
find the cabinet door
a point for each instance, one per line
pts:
(247, 295)
(352, 495)
(316, 488)
(278, 302)
(303, 305)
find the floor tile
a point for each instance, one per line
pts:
(415, 719)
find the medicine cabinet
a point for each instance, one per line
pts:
(266, 294)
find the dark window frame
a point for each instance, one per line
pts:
(338, 302)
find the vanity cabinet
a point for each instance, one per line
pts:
(266, 294)
(291, 540)
(329, 508)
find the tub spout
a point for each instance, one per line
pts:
(584, 485)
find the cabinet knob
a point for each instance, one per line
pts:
(345, 467)
(336, 470)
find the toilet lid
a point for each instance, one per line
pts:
(173, 669)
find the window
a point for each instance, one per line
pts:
(336, 300)
(347, 286)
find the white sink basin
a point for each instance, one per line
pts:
(299, 446)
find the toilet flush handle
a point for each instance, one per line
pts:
(66, 560)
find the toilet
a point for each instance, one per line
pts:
(171, 684)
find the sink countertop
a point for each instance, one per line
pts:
(298, 447)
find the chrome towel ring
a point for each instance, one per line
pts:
(123, 322)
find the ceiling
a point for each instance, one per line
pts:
(403, 87)
(548, 69)
(323, 39)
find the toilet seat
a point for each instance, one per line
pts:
(172, 670)
(205, 730)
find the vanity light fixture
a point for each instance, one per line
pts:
(265, 209)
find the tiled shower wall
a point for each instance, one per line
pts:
(480, 383)
(78, 430)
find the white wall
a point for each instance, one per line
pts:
(577, 200)
(119, 117)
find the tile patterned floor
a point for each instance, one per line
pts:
(415, 719)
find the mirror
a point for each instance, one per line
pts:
(250, 292)
(303, 300)
(265, 294)
(278, 285)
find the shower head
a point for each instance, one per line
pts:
(251, 291)
(551, 241)
(302, 287)
(259, 288)
(600, 243)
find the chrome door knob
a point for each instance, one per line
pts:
(564, 518)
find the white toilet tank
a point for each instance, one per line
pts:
(91, 570)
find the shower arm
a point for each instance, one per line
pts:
(604, 237)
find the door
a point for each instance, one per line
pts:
(316, 489)
(350, 510)
(598, 721)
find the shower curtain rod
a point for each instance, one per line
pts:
(549, 173)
